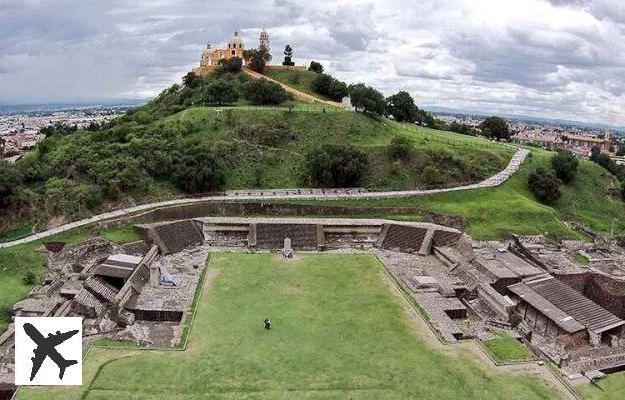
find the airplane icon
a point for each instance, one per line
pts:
(46, 348)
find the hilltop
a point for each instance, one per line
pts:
(143, 155)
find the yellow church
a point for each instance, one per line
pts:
(235, 47)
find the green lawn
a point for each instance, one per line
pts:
(613, 386)
(505, 348)
(338, 333)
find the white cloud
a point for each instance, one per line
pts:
(554, 58)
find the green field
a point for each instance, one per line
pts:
(338, 333)
(506, 349)
(612, 388)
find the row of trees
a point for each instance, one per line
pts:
(326, 85)
(226, 88)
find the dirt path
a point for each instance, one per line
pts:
(424, 331)
(297, 93)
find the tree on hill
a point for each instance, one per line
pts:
(338, 90)
(328, 86)
(321, 83)
(496, 128)
(257, 59)
(316, 67)
(402, 107)
(220, 92)
(191, 80)
(10, 179)
(232, 65)
(545, 185)
(367, 98)
(336, 166)
(261, 91)
(288, 55)
(565, 164)
(199, 170)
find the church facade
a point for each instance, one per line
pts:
(234, 48)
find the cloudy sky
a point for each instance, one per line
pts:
(553, 58)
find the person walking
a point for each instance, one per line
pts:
(267, 323)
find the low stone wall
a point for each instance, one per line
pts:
(210, 208)
(494, 300)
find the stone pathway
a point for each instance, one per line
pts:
(281, 194)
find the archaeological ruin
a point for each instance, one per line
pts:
(537, 291)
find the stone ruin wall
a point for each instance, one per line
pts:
(212, 208)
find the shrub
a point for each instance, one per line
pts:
(545, 185)
(261, 91)
(316, 67)
(565, 164)
(321, 83)
(336, 166)
(221, 92)
(199, 170)
(231, 65)
(400, 148)
(191, 80)
(431, 175)
(256, 59)
(10, 179)
(463, 129)
(29, 278)
(328, 86)
(338, 90)
(265, 134)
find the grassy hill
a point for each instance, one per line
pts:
(299, 79)
(138, 157)
(591, 199)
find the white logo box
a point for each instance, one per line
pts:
(48, 331)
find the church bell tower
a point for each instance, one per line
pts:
(264, 40)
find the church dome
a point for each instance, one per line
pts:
(236, 41)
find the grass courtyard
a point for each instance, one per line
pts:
(338, 333)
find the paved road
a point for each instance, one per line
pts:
(281, 194)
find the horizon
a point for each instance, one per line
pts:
(537, 58)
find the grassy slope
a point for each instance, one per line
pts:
(280, 165)
(337, 333)
(298, 79)
(512, 208)
(612, 385)
(16, 261)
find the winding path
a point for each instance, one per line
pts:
(281, 194)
